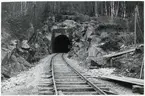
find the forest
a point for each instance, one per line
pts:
(17, 14)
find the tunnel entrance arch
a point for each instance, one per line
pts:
(61, 44)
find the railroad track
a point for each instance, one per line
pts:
(66, 80)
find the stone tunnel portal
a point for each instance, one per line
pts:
(61, 44)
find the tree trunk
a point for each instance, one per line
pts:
(21, 8)
(135, 19)
(117, 9)
(25, 8)
(96, 9)
(112, 11)
(124, 9)
(106, 9)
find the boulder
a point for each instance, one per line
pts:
(45, 27)
(96, 54)
(12, 64)
(111, 45)
(12, 45)
(15, 65)
(5, 73)
(94, 65)
(22, 61)
(104, 35)
(95, 39)
(25, 44)
(69, 23)
(90, 31)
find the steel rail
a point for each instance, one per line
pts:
(97, 89)
(53, 79)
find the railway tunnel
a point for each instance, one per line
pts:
(61, 44)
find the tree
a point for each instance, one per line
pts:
(96, 7)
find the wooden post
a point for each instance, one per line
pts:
(111, 62)
(135, 19)
(141, 71)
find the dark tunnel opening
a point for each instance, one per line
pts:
(61, 44)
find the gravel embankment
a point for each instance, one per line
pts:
(26, 82)
(102, 72)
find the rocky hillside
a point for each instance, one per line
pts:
(26, 35)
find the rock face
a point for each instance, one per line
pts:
(69, 23)
(18, 53)
(95, 55)
(12, 64)
(93, 39)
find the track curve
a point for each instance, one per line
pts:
(66, 80)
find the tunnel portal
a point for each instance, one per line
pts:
(61, 44)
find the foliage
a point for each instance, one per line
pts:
(19, 26)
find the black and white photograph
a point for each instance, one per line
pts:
(72, 47)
